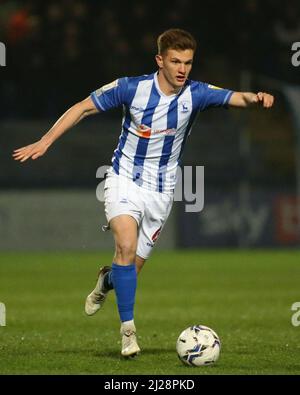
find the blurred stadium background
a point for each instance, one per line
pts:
(51, 241)
(60, 51)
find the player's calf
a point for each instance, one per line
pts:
(125, 252)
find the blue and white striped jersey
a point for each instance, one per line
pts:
(154, 126)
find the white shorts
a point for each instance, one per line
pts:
(150, 209)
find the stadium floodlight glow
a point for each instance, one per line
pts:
(2, 54)
(296, 55)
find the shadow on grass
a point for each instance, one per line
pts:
(145, 351)
(115, 353)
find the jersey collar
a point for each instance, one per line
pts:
(156, 83)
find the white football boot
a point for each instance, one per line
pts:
(96, 298)
(130, 347)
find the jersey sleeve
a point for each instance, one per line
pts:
(213, 96)
(111, 95)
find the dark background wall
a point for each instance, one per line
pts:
(60, 51)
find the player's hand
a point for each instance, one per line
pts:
(32, 151)
(265, 99)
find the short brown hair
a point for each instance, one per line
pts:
(175, 39)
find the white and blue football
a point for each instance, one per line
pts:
(198, 345)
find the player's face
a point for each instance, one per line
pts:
(175, 66)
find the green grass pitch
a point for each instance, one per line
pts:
(245, 296)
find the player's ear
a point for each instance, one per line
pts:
(159, 61)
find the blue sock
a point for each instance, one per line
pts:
(124, 282)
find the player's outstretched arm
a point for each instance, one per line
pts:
(249, 99)
(69, 119)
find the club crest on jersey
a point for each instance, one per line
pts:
(184, 107)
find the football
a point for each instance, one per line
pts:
(198, 345)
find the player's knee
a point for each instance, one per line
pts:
(126, 251)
